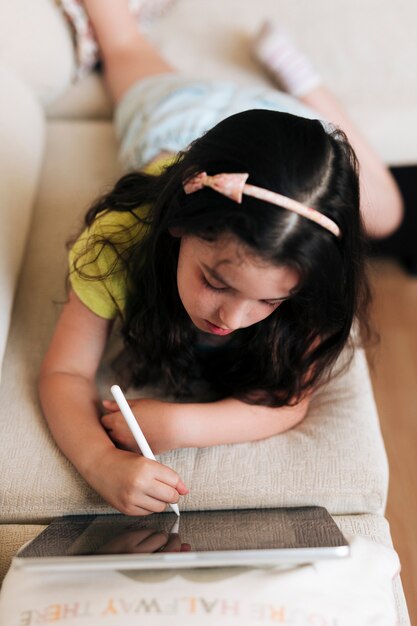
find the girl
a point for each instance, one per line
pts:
(237, 262)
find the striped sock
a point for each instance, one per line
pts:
(276, 51)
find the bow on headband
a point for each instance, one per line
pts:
(234, 186)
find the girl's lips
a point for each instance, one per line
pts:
(216, 330)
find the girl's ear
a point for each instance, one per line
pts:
(176, 231)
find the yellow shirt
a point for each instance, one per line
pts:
(100, 280)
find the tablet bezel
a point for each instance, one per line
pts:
(275, 557)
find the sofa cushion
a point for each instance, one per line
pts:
(334, 458)
(13, 537)
(21, 153)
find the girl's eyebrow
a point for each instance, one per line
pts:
(219, 279)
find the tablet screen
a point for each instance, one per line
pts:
(202, 531)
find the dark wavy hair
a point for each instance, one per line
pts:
(277, 360)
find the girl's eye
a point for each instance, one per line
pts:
(210, 286)
(205, 282)
(273, 305)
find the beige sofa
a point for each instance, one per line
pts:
(58, 151)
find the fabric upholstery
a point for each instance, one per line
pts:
(35, 43)
(58, 208)
(376, 83)
(347, 469)
(334, 458)
(12, 537)
(21, 153)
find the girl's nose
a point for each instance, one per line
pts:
(233, 315)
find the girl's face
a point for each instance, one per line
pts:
(223, 287)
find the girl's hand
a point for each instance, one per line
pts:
(134, 484)
(156, 419)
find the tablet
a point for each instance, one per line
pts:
(249, 537)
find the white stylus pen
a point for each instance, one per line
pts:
(135, 429)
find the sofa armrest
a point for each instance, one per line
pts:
(21, 154)
(36, 44)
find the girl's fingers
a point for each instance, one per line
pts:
(173, 544)
(155, 497)
(185, 547)
(115, 424)
(150, 505)
(153, 543)
(110, 405)
(144, 485)
(167, 475)
(119, 433)
(108, 420)
(181, 488)
(163, 492)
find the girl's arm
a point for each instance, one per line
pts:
(233, 421)
(169, 425)
(71, 405)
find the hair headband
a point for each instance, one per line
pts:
(234, 186)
